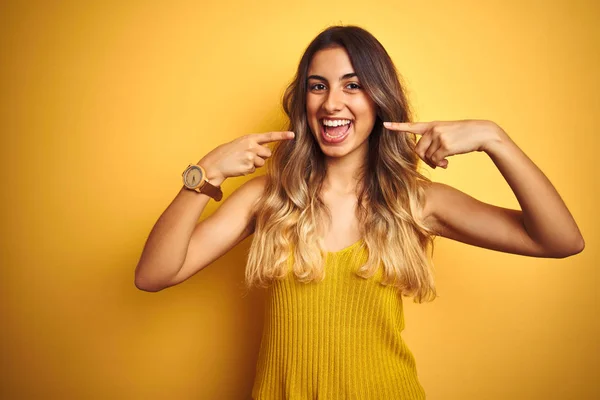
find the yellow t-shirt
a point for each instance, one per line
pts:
(335, 339)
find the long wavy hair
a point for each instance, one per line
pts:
(290, 216)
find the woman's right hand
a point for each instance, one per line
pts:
(241, 156)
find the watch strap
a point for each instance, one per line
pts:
(211, 190)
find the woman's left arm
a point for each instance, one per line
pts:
(543, 228)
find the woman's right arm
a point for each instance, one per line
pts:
(178, 246)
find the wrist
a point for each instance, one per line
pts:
(212, 175)
(497, 140)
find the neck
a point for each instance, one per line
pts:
(342, 172)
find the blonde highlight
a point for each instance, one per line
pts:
(290, 218)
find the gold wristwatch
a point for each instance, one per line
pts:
(194, 178)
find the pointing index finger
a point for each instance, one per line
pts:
(414, 127)
(273, 136)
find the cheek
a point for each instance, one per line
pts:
(311, 112)
(365, 113)
(311, 106)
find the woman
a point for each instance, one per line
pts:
(343, 219)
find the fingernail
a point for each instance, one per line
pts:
(291, 134)
(387, 124)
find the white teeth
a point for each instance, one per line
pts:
(336, 122)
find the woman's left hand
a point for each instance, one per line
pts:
(441, 139)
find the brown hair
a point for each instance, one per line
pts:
(290, 214)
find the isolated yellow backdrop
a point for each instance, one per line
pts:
(104, 104)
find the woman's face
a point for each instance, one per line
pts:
(340, 113)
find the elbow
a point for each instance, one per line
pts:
(147, 285)
(147, 288)
(572, 250)
(580, 246)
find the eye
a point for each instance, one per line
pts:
(354, 86)
(317, 86)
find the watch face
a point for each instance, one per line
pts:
(193, 177)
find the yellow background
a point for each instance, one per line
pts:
(104, 104)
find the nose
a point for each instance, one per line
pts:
(334, 101)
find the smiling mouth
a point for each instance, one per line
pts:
(335, 134)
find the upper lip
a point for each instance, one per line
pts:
(334, 119)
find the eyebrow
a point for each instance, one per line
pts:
(349, 75)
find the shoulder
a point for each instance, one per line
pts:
(448, 210)
(436, 194)
(257, 183)
(252, 191)
(242, 201)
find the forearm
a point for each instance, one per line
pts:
(546, 218)
(166, 247)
